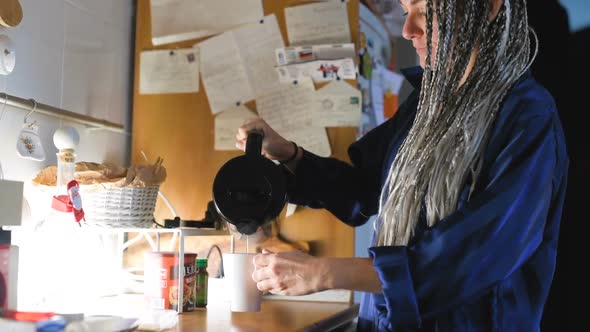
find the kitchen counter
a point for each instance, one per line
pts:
(275, 315)
(321, 311)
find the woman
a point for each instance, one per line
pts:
(467, 182)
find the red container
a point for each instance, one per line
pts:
(161, 280)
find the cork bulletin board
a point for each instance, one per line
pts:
(180, 129)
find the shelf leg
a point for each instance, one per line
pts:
(148, 237)
(158, 241)
(180, 272)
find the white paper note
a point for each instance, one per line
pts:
(299, 54)
(227, 124)
(313, 139)
(288, 110)
(318, 23)
(257, 43)
(178, 20)
(337, 104)
(169, 71)
(238, 65)
(287, 105)
(224, 76)
(318, 71)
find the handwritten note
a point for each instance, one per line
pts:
(337, 104)
(169, 71)
(224, 75)
(287, 105)
(257, 43)
(178, 20)
(288, 110)
(318, 23)
(237, 65)
(313, 139)
(227, 124)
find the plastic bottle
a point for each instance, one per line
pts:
(202, 277)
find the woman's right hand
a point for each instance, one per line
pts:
(274, 146)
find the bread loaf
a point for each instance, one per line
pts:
(87, 173)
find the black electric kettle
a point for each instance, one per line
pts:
(250, 190)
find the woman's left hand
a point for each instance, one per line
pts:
(289, 273)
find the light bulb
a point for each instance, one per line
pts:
(66, 138)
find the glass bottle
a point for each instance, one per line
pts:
(202, 277)
(66, 140)
(66, 166)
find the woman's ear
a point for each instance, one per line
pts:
(495, 8)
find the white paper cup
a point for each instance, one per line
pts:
(243, 293)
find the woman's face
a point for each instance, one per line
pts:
(415, 28)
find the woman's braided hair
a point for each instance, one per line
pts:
(444, 149)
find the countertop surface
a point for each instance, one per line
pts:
(321, 311)
(275, 315)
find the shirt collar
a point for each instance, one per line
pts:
(525, 76)
(414, 76)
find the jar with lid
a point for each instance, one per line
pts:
(66, 167)
(202, 277)
(66, 139)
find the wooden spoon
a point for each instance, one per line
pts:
(11, 13)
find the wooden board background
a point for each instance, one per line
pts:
(179, 128)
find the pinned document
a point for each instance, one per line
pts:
(227, 124)
(169, 71)
(178, 20)
(288, 110)
(337, 104)
(318, 23)
(299, 54)
(288, 106)
(318, 71)
(237, 65)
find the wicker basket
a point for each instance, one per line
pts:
(120, 207)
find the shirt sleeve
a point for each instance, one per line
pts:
(349, 191)
(482, 242)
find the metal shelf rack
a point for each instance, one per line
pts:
(181, 233)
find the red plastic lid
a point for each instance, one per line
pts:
(61, 203)
(28, 316)
(170, 254)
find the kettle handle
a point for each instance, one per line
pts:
(254, 143)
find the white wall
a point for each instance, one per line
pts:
(76, 55)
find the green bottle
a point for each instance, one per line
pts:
(201, 285)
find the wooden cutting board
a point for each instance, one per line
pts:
(11, 13)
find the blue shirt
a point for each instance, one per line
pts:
(486, 267)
